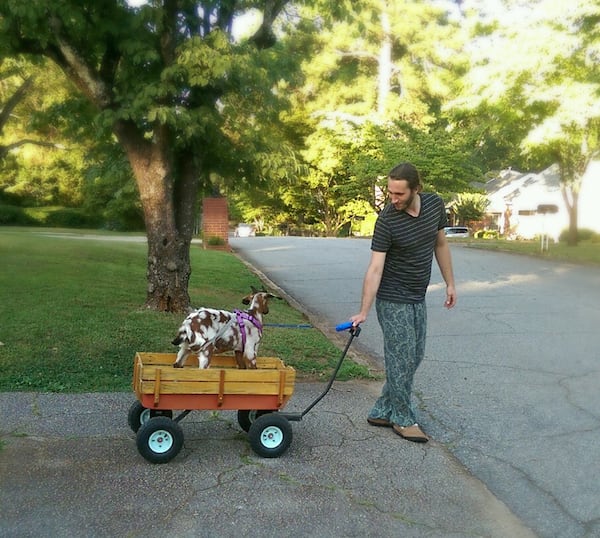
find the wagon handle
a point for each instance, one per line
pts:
(354, 332)
(344, 326)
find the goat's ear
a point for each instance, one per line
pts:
(254, 290)
(246, 300)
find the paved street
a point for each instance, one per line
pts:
(511, 376)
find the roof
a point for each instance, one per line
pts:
(523, 191)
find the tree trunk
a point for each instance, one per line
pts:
(169, 269)
(384, 75)
(571, 199)
(573, 236)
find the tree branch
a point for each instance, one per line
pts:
(68, 58)
(264, 37)
(5, 149)
(14, 100)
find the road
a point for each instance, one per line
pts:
(511, 376)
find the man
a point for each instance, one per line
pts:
(408, 233)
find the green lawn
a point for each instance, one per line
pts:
(72, 316)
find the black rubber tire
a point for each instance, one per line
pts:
(246, 417)
(139, 415)
(270, 435)
(159, 440)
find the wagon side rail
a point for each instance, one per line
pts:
(223, 386)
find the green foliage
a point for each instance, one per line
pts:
(545, 105)
(583, 234)
(42, 167)
(15, 216)
(214, 241)
(470, 207)
(69, 217)
(56, 217)
(109, 190)
(486, 234)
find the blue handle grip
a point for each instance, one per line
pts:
(343, 326)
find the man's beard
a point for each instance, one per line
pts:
(405, 205)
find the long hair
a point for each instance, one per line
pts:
(409, 173)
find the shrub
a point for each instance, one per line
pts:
(68, 217)
(486, 234)
(583, 234)
(215, 241)
(15, 216)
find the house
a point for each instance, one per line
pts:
(529, 205)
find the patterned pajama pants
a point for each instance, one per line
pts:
(404, 329)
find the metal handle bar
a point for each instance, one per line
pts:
(354, 332)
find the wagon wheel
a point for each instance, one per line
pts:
(270, 435)
(246, 417)
(139, 415)
(159, 440)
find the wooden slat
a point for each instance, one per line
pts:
(281, 385)
(175, 374)
(221, 387)
(225, 361)
(157, 386)
(187, 387)
(155, 377)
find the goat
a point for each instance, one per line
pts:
(207, 331)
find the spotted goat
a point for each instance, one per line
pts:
(207, 331)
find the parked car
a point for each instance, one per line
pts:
(456, 231)
(244, 230)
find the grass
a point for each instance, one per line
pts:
(72, 316)
(586, 252)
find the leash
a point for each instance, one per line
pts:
(289, 325)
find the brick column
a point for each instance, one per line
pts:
(215, 223)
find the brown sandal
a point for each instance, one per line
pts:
(411, 433)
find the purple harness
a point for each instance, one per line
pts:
(241, 316)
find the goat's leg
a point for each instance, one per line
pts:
(203, 360)
(251, 356)
(250, 361)
(182, 356)
(239, 358)
(204, 355)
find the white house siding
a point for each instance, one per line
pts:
(521, 194)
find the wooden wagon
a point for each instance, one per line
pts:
(160, 389)
(258, 395)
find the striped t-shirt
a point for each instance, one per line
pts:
(409, 243)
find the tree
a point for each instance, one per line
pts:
(40, 164)
(183, 99)
(553, 88)
(469, 207)
(372, 90)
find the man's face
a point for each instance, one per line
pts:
(400, 194)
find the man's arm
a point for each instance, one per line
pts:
(444, 261)
(370, 286)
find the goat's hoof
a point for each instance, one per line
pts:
(175, 365)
